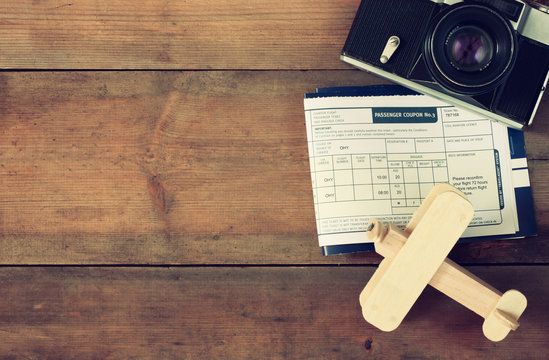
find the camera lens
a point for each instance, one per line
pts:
(469, 48)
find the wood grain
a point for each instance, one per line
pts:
(204, 167)
(176, 168)
(163, 34)
(245, 313)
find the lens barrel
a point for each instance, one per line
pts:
(470, 48)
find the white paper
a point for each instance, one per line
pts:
(361, 168)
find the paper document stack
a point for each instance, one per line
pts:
(377, 152)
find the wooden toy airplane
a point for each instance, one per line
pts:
(416, 257)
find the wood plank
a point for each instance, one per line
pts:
(163, 34)
(245, 313)
(176, 168)
(535, 135)
(141, 167)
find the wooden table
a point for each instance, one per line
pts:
(156, 200)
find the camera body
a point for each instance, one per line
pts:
(487, 56)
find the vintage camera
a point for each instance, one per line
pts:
(487, 56)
